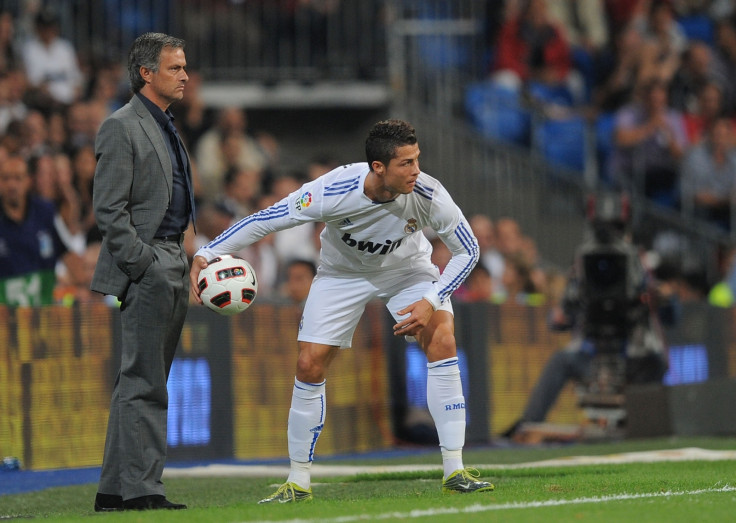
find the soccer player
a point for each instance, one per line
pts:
(372, 248)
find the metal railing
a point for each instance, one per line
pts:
(254, 40)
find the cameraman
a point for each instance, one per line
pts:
(608, 303)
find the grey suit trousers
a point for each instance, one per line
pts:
(152, 315)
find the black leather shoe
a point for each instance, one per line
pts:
(154, 502)
(108, 503)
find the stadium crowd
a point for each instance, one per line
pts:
(51, 105)
(654, 77)
(604, 58)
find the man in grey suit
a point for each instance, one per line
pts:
(143, 203)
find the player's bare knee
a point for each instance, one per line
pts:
(308, 370)
(441, 344)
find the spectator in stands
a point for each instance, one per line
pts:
(532, 48)
(68, 291)
(104, 89)
(242, 189)
(478, 287)
(584, 24)
(12, 91)
(83, 121)
(212, 219)
(227, 141)
(698, 68)
(725, 51)
(51, 64)
(664, 41)
(620, 13)
(519, 286)
(30, 246)
(539, 270)
(708, 108)
(8, 51)
(440, 253)
(619, 70)
(723, 293)
(509, 239)
(649, 141)
(67, 202)
(83, 169)
(299, 276)
(708, 175)
(35, 134)
(490, 257)
(717, 9)
(57, 137)
(321, 164)
(56, 186)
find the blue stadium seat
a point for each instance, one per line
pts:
(604, 127)
(497, 113)
(562, 142)
(698, 27)
(548, 94)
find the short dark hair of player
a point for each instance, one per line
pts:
(146, 52)
(387, 136)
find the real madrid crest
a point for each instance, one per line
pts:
(411, 226)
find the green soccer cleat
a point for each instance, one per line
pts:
(464, 480)
(288, 493)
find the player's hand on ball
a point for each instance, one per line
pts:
(227, 284)
(198, 264)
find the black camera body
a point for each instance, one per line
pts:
(610, 306)
(610, 296)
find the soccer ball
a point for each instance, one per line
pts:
(228, 285)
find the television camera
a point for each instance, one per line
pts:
(611, 288)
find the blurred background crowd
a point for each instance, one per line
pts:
(656, 78)
(637, 93)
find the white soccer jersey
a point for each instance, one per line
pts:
(362, 236)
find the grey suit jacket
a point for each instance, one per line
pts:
(132, 191)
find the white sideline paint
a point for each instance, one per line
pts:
(322, 470)
(474, 509)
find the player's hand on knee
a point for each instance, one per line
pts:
(420, 313)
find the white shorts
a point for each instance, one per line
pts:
(336, 303)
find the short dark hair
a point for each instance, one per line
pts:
(47, 17)
(305, 263)
(387, 136)
(146, 52)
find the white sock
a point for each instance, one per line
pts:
(306, 420)
(447, 405)
(452, 460)
(300, 473)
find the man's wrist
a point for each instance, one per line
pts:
(433, 300)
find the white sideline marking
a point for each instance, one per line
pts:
(323, 470)
(473, 509)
